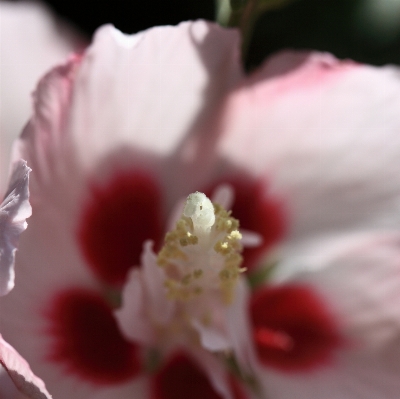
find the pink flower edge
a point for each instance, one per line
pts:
(20, 373)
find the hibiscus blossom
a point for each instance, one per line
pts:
(304, 148)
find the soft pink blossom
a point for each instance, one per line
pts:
(309, 147)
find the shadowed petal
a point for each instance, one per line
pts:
(14, 211)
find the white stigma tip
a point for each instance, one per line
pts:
(200, 209)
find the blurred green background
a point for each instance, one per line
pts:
(364, 30)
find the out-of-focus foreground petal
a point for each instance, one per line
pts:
(32, 40)
(20, 373)
(14, 211)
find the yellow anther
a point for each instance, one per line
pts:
(235, 235)
(222, 248)
(186, 256)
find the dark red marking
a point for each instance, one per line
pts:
(292, 329)
(87, 340)
(181, 378)
(258, 212)
(115, 222)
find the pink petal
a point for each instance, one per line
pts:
(14, 211)
(35, 42)
(212, 338)
(162, 87)
(323, 134)
(19, 371)
(239, 328)
(144, 301)
(154, 278)
(358, 276)
(132, 317)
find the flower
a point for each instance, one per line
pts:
(306, 148)
(14, 211)
(35, 42)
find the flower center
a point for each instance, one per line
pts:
(202, 253)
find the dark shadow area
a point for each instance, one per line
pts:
(131, 16)
(335, 26)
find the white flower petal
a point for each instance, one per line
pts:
(238, 325)
(132, 318)
(323, 134)
(162, 87)
(159, 306)
(211, 338)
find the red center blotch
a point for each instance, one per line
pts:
(181, 378)
(292, 329)
(116, 220)
(257, 212)
(87, 341)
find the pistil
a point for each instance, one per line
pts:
(202, 253)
